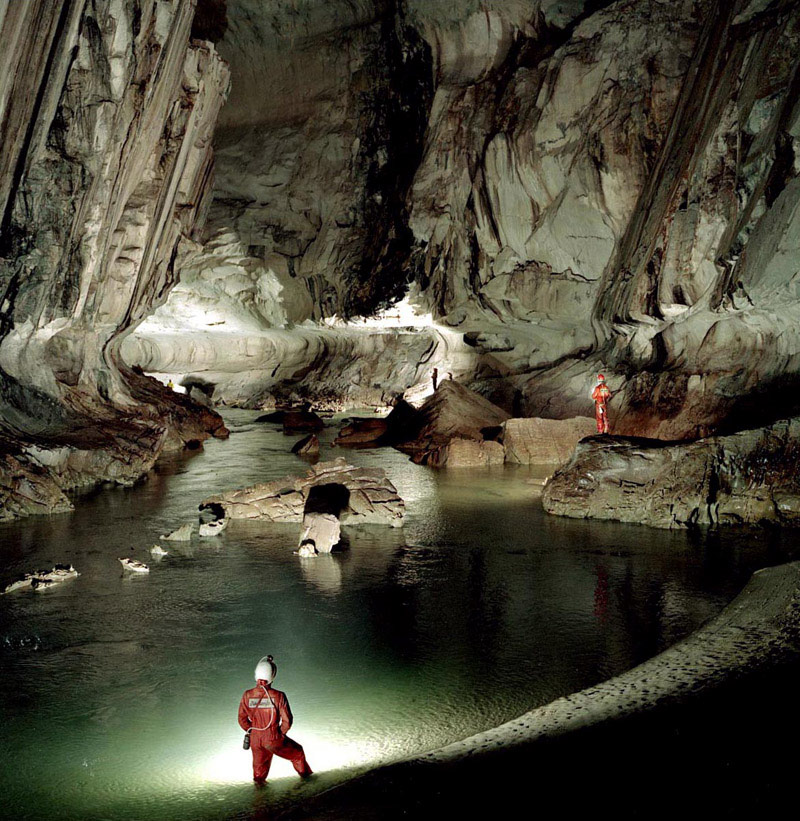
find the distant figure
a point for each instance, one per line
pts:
(450, 376)
(171, 385)
(435, 378)
(601, 394)
(265, 717)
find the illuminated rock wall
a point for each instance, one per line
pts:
(570, 186)
(107, 112)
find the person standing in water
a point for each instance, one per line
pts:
(265, 717)
(601, 394)
(435, 378)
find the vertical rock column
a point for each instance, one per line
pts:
(107, 111)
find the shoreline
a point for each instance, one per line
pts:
(752, 642)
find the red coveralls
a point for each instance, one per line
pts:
(265, 712)
(601, 395)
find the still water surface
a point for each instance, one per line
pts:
(118, 694)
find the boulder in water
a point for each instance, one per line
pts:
(301, 420)
(535, 441)
(182, 534)
(359, 433)
(213, 528)
(43, 579)
(744, 478)
(452, 412)
(463, 453)
(307, 446)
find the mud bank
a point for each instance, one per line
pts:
(702, 721)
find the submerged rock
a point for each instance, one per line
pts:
(213, 528)
(157, 550)
(301, 420)
(366, 496)
(745, 478)
(182, 534)
(42, 579)
(275, 417)
(322, 530)
(536, 441)
(308, 446)
(134, 566)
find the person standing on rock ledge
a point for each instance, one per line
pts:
(601, 394)
(265, 717)
(435, 378)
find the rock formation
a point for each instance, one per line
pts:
(107, 112)
(307, 446)
(517, 193)
(453, 412)
(567, 186)
(322, 531)
(745, 478)
(367, 496)
(535, 441)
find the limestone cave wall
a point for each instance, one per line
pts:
(566, 186)
(107, 111)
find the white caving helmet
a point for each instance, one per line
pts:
(266, 670)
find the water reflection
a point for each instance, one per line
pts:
(480, 608)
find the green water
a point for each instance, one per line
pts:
(118, 694)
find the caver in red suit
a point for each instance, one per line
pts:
(601, 394)
(264, 713)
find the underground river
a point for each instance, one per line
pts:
(118, 694)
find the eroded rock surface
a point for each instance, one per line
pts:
(745, 478)
(322, 531)
(107, 112)
(578, 187)
(369, 496)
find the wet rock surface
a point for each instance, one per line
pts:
(362, 432)
(307, 446)
(745, 478)
(464, 453)
(368, 497)
(296, 421)
(322, 531)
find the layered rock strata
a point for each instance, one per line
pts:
(745, 478)
(367, 496)
(107, 111)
